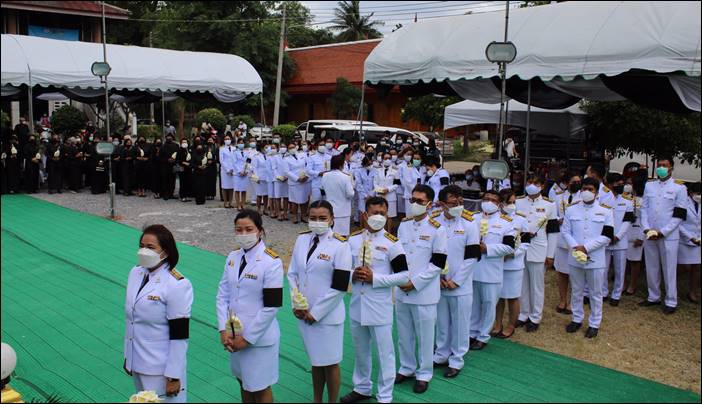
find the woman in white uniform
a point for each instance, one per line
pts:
(364, 186)
(157, 310)
(260, 176)
(249, 296)
(226, 170)
(634, 253)
(280, 183)
(560, 261)
(271, 152)
(319, 274)
(298, 193)
(242, 168)
(385, 184)
(689, 250)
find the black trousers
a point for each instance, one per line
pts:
(200, 186)
(167, 180)
(53, 169)
(31, 176)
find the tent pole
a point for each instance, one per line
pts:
(279, 74)
(30, 98)
(527, 154)
(263, 111)
(360, 112)
(163, 116)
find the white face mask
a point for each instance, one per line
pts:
(148, 258)
(376, 222)
(387, 163)
(455, 211)
(587, 196)
(227, 142)
(628, 189)
(430, 172)
(293, 150)
(696, 198)
(305, 148)
(318, 228)
(488, 207)
(408, 158)
(283, 150)
(246, 241)
(532, 189)
(510, 209)
(184, 145)
(417, 209)
(329, 146)
(379, 158)
(321, 149)
(393, 158)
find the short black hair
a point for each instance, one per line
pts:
(506, 193)
(165, 240)
(493, 192)
(337, 162)
(376, 200)
(253, 215)
(432, 161)
(454, 190)
(598, 169)
(592, 181)
(426, 190)
(614, 177)
(666, 157)
(536, 177)
(323, 204)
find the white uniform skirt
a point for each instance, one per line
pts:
(512, 284)
(271, 189)
(560, 260)
(323, 343)
(280, 189)
(634, 253)
(227, 180)
(241, 184)
(256, 367)
(689, 254)
(261, 188)
(342, 225)
(298, 193)
(392, 207)
(401, 205)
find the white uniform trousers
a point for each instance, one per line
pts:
(619, 271)
(662, 253)
(453, 329)
(485, 297)
(592, 278)
(415, 332)
(342, 225)
(363, 337)
(316, 194)
(158, 384)
(532, 300)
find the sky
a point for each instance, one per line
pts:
(402, 12)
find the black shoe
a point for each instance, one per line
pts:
(520, 323)
(646, 303)
(440, 365)
(573, 327)
(478, 346)
(604, 299)
(400, 378)
(614, 302)
(450, 373)
(472, 341)
(563, 310)
(591, 332)
(420, 387)
(354, 397)
(586, 301)
(532, 327)
(668, 310)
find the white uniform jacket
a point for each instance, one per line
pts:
(543, 222)
(664, 207)
(463, 247)
(591, 226)
(499, 239)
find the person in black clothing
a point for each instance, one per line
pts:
(88, 150)
(167, 158)
(184, 160)
(12, 165)
(127, 167)
(54, 164)
(212, 153)
(75, 167)
(153, 169)
(199, 163)
(432, 151)
(22, 131)
(98, 166)
(140, 155)
(116, 164)
(31, 165)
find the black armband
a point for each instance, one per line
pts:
(340, 280)
(397, 182)
(399, 263)
(179, 328)
(629, 217)
(680, 213)
(552, 226)
(248, 161)
(472, 251)
(444, 181)
(272, 297)
(525, 237)
(608, 231)
(508, 240)
(438, 259)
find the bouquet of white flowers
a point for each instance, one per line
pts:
(298, 300)
(651, 233)
(234, 325)
(580, 256)
(483, 227)
(145, 396)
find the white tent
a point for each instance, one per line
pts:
(562, 122)
(45, 62)
(573, 47)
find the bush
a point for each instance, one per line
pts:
(4, 119)
(68, 120)
(286, 132)
(212, 115)
(150, 132)
(116, 125)
(247, 119)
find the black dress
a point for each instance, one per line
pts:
(98, 178)
(211, 176)
(54, 166)
(185, 174)
(141, 160)
(154, 170)
(75, 167)
(127, 169)
(31, 168)
(200, 175)
(12, 167)
(116, 168)
(166, 164)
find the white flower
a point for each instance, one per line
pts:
(141, 152)
(445, 271)
(366, 252)
(651, 233)
(13, 150)
(234, 323)
(147, 396)
(174, 155)
(209, 155)
(255, 178)
(580, 256)
(37, 157)
(57, 153)
(187, 157)
(483, 227)
(299, 301)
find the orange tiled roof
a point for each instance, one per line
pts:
(88, 8)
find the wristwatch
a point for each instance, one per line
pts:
(170, 379)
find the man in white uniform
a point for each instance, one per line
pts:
(437, 177)
(623, 215)
(339, 191)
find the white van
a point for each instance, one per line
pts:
(308, 130)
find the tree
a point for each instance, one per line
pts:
(427, 110)
(352, 25)
(624, 126)
(345, 99)
(214, 117)
(68, 120)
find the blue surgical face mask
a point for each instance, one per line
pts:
(240, 146)
(662, 172)
(416, 163)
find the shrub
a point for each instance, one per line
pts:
(150, 132)
(68, 120)
(247, 119)
(212, 115)
(286, 132)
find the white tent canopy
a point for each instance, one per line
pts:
(562, 122)
(48, 62)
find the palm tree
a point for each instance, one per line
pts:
(352, 25)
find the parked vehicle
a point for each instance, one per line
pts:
(311, 129)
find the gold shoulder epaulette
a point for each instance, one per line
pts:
(546, 199)
(357, 232)
(604, 205)
(559, 192)
(505, 217)
(605, 189)
(628, 197)
(340, 237)
(176, 274)
(272, 253)
(521, 214)
(434, 223)
(680, 182)
(435, 214)
(467, 215)
(305, 232)
(391, 237)
(407, 219)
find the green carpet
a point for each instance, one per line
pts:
(63, 283)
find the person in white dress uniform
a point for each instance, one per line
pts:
(226, 170)
(261, 177)
(561, 257)
(249, 296)
(242, 169)
(364, 186)
(271, 151)
(456, 282)
(280, 182)
(317, 165)
(403, 160)
(588, 227)
(158, 306)
(251, 152)
(689, 249)
(385, 183)
(513, 268)
(298, 193)
(410, 177)
(424, 240)
(604, 194)
(497, 238)
(436, 177)
(636, 237)
(338, 188)
(319, 275)
(379, 264)
(543, 224)
(503, 184)
(663, 209)
(623, 215)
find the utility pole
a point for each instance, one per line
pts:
(503, 73)
(107, 110)
(151, 104)
(279, 77)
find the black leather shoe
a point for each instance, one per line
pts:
(646, 303)
(668, 310)
(478, 346)
(451, 373)
(520, 323)
(420, 387)
(472, 341)
(604, 299)
(400, 378)
(573, 327)
(440, 365)
(532, 327)
(354, 397)
(614, 302)
(591, 332)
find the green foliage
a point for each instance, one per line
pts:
(628, 127)
(247, 119)
(4, 119)
(352, 25)
(213, 116)
(286, 132)
(345, 99)
(427, 110)
(116, 124)
(68, 120)
(477, 151)
(150, 132)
